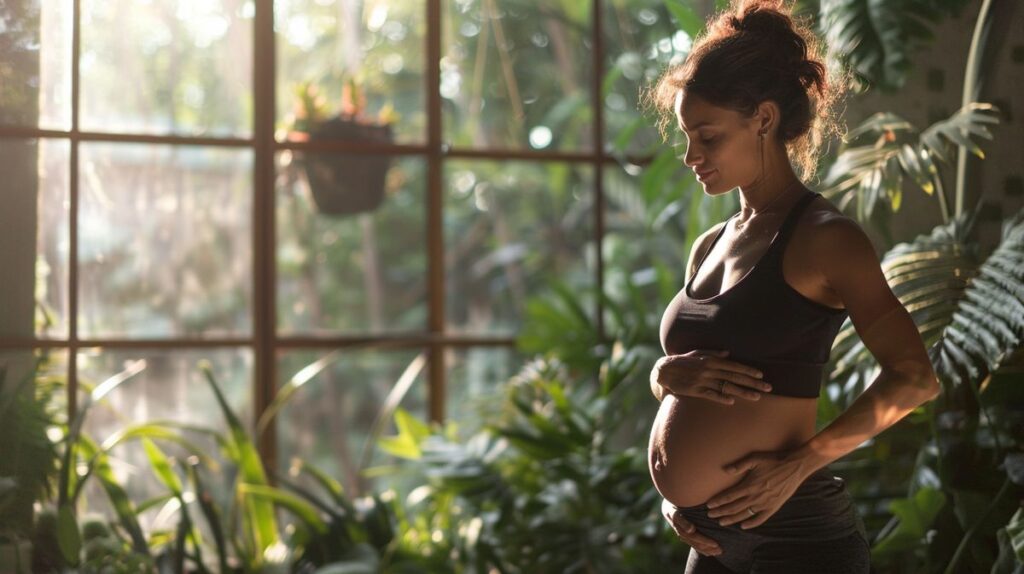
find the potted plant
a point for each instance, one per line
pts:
(342, 184)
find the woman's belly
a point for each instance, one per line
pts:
(692, 439)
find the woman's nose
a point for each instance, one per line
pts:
(691, 156)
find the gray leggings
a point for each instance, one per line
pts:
(816, 531)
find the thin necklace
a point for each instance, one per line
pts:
(776, 198)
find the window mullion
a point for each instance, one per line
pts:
(264, 232)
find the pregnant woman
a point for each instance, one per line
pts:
(733, 449)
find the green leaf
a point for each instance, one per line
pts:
(210, 511)
(75, 427)
(1015, 530)
(401, 446)
(875, 38)
(916, 515)
(259, 513)
(123, 506)
(287, 391)
(162, 467)
(158, 430)
(874, 168)
(988, 323)
(294, 504)
(685, 17)
(408, 424)
(69, 538)
(327, 482)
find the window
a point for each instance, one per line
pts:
(316, 193)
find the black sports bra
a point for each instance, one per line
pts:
(762, 320)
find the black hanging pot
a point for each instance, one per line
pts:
(347, 184)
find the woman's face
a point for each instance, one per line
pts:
(722, 146)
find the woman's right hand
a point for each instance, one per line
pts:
(687, 532)
(699, 374)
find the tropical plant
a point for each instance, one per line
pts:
(969, 311)
(556, 482)
(885, 148)
(876, 39)
(967, 306)
(964, 468)
(28, 459)
(330, 533)
(310, 108)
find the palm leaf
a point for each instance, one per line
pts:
(928, 276)
(886, 148)
(988, 324)
(969, 119)
(969, 314)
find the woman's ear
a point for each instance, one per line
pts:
(767, 116)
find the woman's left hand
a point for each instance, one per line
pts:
(772, 477)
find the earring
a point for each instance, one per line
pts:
(760, 136)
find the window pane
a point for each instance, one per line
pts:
(35, 63)
(161, 386)
(476, 385)
(322, 45)
(329, 420)
(517, 74)
(640, 41)
(512, 227)
(351, 253)
(165, 245)
(34, 250)
(650, 225)
(173, 66)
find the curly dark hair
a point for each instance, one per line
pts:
(752, 51)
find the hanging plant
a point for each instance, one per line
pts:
(342, 184)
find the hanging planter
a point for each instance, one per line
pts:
(347, 184)
(342, 184)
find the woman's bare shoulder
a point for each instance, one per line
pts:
(818, 216)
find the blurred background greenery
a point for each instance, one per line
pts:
(221, 310)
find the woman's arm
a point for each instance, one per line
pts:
(845, 257)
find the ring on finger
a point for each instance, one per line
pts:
(721, 387)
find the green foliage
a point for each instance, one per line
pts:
(968, 310)
(556, 483)
(28, 459)
(105, 553)
(550, 486)
(885, 148)
(876, 39)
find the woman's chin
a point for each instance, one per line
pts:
(713, 187)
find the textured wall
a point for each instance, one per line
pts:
(933, 91)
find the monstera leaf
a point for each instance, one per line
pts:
(969, 313)
(876, 37)
(885, 148)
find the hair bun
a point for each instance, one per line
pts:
(762, 21)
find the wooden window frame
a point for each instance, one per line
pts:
(264, 341)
